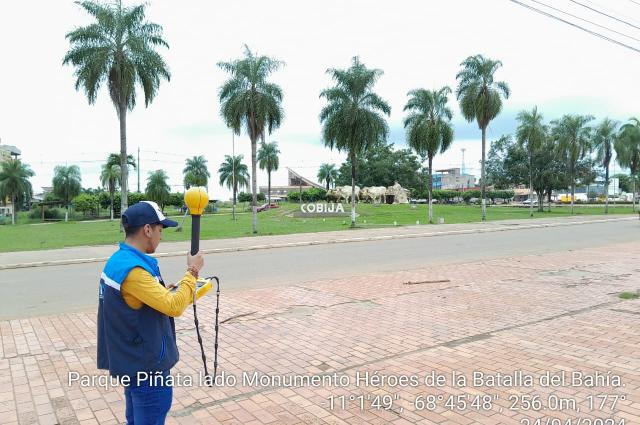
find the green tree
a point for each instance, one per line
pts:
(480, 99)
(158, 189)
(531, 134)
(233, 174)
(428, 126)
(67, 183)
(604, 138)
(118, 48)
(14, 184)
(328, 174)
(111, 174)
(627, 147)
(268, 160)
(86, 203)
(352, 119)
(249, 100)
(573, 137)
(196, 172)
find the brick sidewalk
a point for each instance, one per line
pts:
(535, 314)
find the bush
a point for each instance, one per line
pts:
(314, 195)
(86, 203)
(176, 198)
(470, 194)
(247, 197)
(5, 220)
(135, 197)
(294, 196)
(49, 213)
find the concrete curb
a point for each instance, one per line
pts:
(323, 242)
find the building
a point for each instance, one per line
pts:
(295, 183)
(452, 179)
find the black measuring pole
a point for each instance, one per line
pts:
(195, 234)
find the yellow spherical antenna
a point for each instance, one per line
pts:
(196, 199)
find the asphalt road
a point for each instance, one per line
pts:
(48, 290)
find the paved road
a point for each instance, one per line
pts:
(47, 290)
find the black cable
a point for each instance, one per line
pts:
(634, 2)
(604, 37)
(605, 14)
(586, 20)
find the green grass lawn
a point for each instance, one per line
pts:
(23, 237)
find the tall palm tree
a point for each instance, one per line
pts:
(428, 126)
(249, 100)
(604, 138)
(118, 48)
(531, 134)
(573, 137)
(480, 99)
(111, 174)
(268, 160)
(352, 119)
(157, 187)
(627, 147)
(14, 184)
(110, 179)
(196, 172)
(233, 174)
(67, 183)
(328, 173)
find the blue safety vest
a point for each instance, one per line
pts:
(130, 340)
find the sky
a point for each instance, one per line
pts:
(418, 44)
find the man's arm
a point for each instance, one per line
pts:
(141, 288)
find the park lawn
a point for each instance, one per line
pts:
(26, 237)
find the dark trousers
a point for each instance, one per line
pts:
(147, 404)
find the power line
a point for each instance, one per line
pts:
(586, 20)
(605, 14)
(597, 34)
(634, 2)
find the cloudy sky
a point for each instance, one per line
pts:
(417, 43)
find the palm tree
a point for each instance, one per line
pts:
(248, 100)
(111, 174)
(573, 138)
(233, 174)
(268, 160)
(627, 147)
(328, 174)
(604, 138)
(351, 119)
(110, 179)
(196, 172)
(14, 184)
(119, 49)
(157, 187)
(429, 129)
(531, 134)
(67, 183)
(480, 99)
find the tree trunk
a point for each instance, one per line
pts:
(540, 195)
(269, 189)
(353, 189)
(430, 190)
(573, 187)
(233, 205)
(530, 185)
(606, 189)
(482, 180)
(327, 184)
(254, 193)
(14, 210)
(549, 199)
(633, 193)
(124, 166)
(111, 197)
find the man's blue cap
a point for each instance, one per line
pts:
(145, 212)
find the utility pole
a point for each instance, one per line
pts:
(462, 171)
(138, 169)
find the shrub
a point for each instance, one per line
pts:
(294, 196)
(469, 194)
(314, 194)
(247, 197)
(135, 197)
(176, 198)
(49, 213)
(86, 203)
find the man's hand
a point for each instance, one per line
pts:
(196, 261)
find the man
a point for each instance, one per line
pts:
(136, 330)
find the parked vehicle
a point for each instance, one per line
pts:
(265, 207)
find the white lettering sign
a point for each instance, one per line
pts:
(321, 208)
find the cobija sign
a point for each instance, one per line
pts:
(325, 210)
